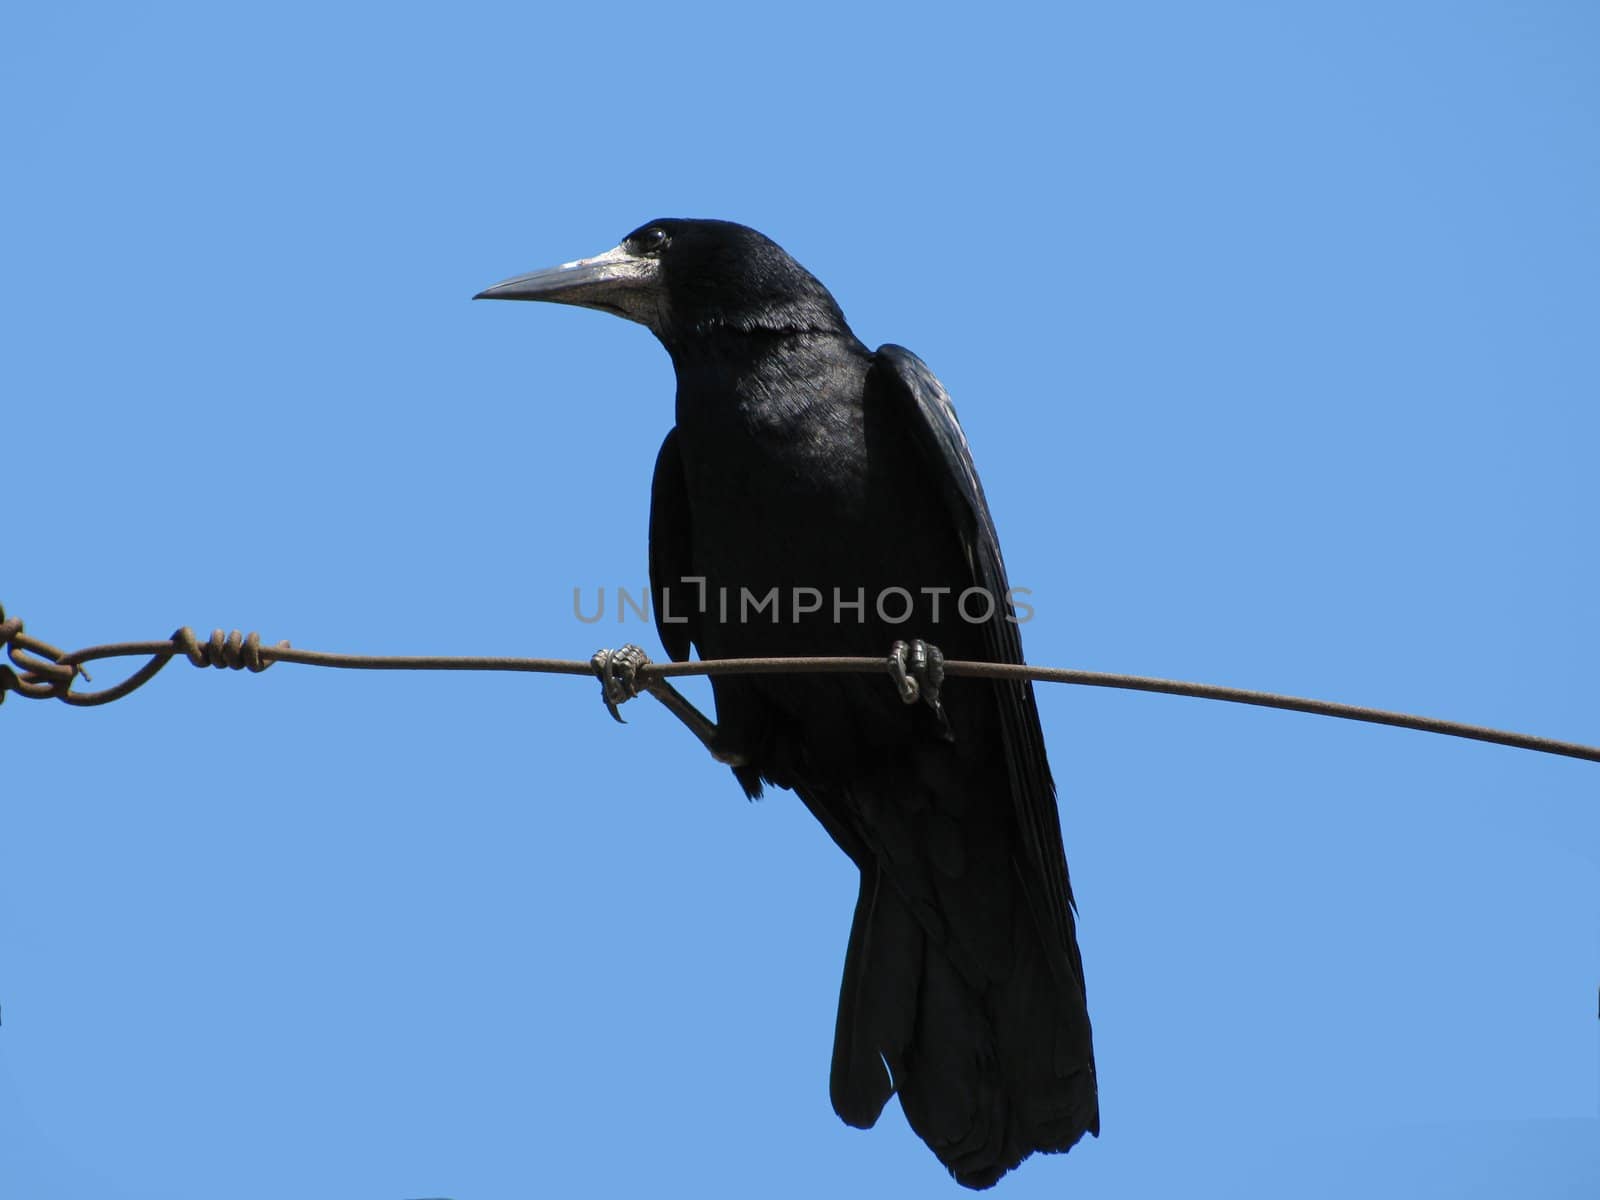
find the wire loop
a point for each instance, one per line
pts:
(43, 674)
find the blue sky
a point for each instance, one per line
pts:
(1273, 330)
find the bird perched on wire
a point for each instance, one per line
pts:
(815, 497)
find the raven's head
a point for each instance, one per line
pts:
(687, 280)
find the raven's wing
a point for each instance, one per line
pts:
(930, 418)
(669, 552)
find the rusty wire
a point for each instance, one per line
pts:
(43, 672)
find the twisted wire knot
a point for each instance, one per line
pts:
(232, 652)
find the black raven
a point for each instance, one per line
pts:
(817, 498)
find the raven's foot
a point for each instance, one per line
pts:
(620, 681)
(917, 668)
(618, 672)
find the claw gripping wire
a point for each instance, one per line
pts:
(917, 669)
(618, 672)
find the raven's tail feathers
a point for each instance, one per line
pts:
(987, 1073)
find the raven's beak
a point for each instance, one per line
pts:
(614, 282)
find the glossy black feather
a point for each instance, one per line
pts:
(931, 421)
(669, 552)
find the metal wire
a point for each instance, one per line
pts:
(42, 672)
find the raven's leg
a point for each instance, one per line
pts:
(618, 672)
(917, 668)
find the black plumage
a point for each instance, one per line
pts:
(803, 462)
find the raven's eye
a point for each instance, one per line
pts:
(650, 240)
